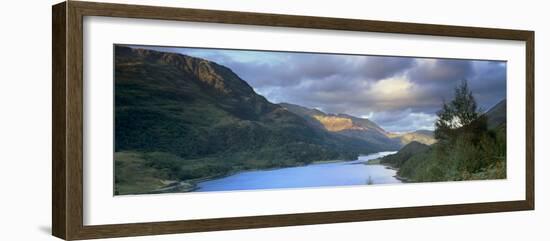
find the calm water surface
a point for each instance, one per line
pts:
(316, 175)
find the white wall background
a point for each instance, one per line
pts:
(25, 120)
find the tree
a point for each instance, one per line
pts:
(460, 112)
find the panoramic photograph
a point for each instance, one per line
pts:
(204, 119)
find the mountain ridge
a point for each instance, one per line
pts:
(357, 127)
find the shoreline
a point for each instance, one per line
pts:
(388, 166)
(192, 184)
(402, 179)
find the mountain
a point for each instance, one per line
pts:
(409, 150)
(306, 113)
(361, 128)
(496, 116)
(423, 136)
(193, 107)
(346, 125)
(182, 118)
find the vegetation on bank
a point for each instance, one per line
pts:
(405, 153)
(466, 148)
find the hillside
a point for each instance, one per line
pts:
(361, 128)
(496, 116)
(184, 118)
(409, 150)
(346, 125)
(423, 136)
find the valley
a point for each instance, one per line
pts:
(181, 121)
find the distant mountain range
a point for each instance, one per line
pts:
(346, 125)
(422, 136)
(361, 128)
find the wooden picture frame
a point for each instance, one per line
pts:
(67, 150)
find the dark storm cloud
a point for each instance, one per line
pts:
(439, 77)
(331, 71)
(440, 71)
(384, 67)
(399, 93)
(489, 84)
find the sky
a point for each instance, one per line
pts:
(401, 94)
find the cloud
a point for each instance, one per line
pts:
(489, 84)
(400, 93)
(392, 90)
(439, 77)
(440, 70)
(404, 121)
(377, 67)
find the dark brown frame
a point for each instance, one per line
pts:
(67, 168)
